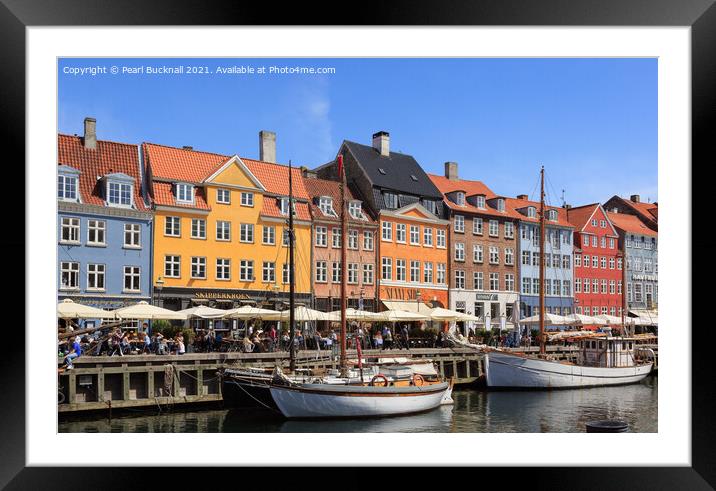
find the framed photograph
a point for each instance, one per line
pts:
(436, 235)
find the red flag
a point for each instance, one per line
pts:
(340, 167)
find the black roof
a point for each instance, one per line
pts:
(394, 172)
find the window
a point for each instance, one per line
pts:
(594, 222)
(429, 205)
(594, 241)
(566, 263)
(480, 201)
(595, 285)
(611, 263)
(604, 312)
(336, 273)
(400, 232)
(494, 282)
(198, 228)
(509, 230)
(367, 274)
(556, 260)
(415, 271)
(223, 196)
(629, 292)
(70, 231)
(494, 255)
(440, 238)
(526, 259)
(595, 310)
(223, 269)
(586, 260)
(246, 232)
(459, 251)
(185, 193)
(459, 223)
(354, 209)
(427, 237)
(391, 200)
(547, 286)
(387, 268)
(478, 281)
(535, 286)
(336, 236)
(269, 272)
(321, 236)
(613, 311)
(172, 266)
(612, 287)
(459, 279)
(494, 228)
(637, 264)
(353, 273)
(283, 205)
(269, 235)
(638, 296)
(619, 263)
(67, 187)
(325, 204)
(223, 230)
(509, 256)
(477, 226)
(427, 272)
(577, 285)
(131, 279)
(647, 265)
(246, 270)
(95, 277)
(247, 199)
(400, 270)
(603, 223)
(440, 275)
(119, 194)
(172, 226)
(509, 282)
(619, 287)
(321, 271)
(198, 268)
(286, 237)
(477, 253)
(552, 215)
(387, 231)
(367, 241)
(132, 235)
(460, 198)
(353, 239)
(603, 242)
(587, 288)
(526, 283)
(535, 259)
(595, 262)
(577, 261)
(415, 235)
(500, 204)
(286, 273)
(531, 212)
(556, 287)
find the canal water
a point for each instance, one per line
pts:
(477, 411)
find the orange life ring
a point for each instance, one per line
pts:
(380, 376)
(417, 377)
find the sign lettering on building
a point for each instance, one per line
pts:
(222, 295)
(490, 297)
(644, 277)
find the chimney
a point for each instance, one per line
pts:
(90, 139)
(451, 171)
(521, 196)
(267, 146)
(634, 198)
(187, 147)
(308, 173)
(381, 142)
(566, 206)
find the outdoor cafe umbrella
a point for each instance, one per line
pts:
(610, 319)
(143, 310)
(584, 320)
(402, 316)
(357, 315)
(549, 319)
(441, 314)
(249, 312)
(203, 312)
(68, 309)
(300, 314)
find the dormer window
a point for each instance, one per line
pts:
(429, 205)
(460, 198)
(325, 203)
(67, 187)
(283, 204)
(552, 215)
(381, 170)
(501, 204)
(531, 212)
(355, 210)
(480, 201)
(391, 200)
(119, 194)
(185, 193)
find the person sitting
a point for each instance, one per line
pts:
(256, 341)
(378, 340)
(248, 345)
(180, 345)
(147, 343)
(75, 352)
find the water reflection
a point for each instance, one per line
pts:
(474, 411)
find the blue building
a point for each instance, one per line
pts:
(559, 256)
(104, 225)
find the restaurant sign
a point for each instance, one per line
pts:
(644, 277)
(489, 297)
(222, 295)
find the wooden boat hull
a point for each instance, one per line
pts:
(332, 401)
(513, 371)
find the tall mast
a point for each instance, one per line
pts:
(344, 277)
(291, 279)
(624, 285)
(542, 348)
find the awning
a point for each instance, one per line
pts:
(417, 307)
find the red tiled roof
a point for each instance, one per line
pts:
(321, 187)
(580, 215)
(274, 177)
(518, 204)
(178, 164)
(648, 210)
(630, 223)
(271, 209)
(163, 196)
(471, 188)
(108, 158)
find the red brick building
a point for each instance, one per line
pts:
(597, 262)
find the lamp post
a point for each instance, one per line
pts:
(360, 302)
(160, 284)
(418, 294)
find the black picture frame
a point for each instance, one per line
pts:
(700, 15)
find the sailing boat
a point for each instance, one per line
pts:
(605, 360)
(384, 395)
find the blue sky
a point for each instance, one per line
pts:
(591, 122)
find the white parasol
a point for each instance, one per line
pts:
(143, 310)
(549, 319)
(584, 320)
(68, 309)
(357, 315)
(249, 312)
(203, 312)
(402, 316)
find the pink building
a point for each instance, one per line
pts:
(326, 248)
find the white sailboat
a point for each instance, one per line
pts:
(605, 360)
(402, 392)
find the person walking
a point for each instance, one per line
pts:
(387, 337)
(181, 349)
(405, 336)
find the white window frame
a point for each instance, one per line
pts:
(368, 276)
(62, 183)
(459, 223)
(477, 224)
(198, 228)
(509, 230)
(246, 270)
(386, 231)
(247, 199)
(353, 239)
(401, 270)
(321, 272)
(401, 230)
(415, 235)
(171, 260)
(120, 191)
(132, 231)
(268, 235)
(223, 196)
(197, 262)
(97, 270)
(494, 255)
(223, 231)
(321, 236)
(440, 239)
(223, 269)
(72, 225)
(386, 265)
(352, 274)
(246, 233)
(175, 230)
(368, 242)
(182, 189)
(440, 272)
(494, 230)
(268, 272)
(459, 251)
(135, 279)
(459, 279)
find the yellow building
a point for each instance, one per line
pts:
(221, 236)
